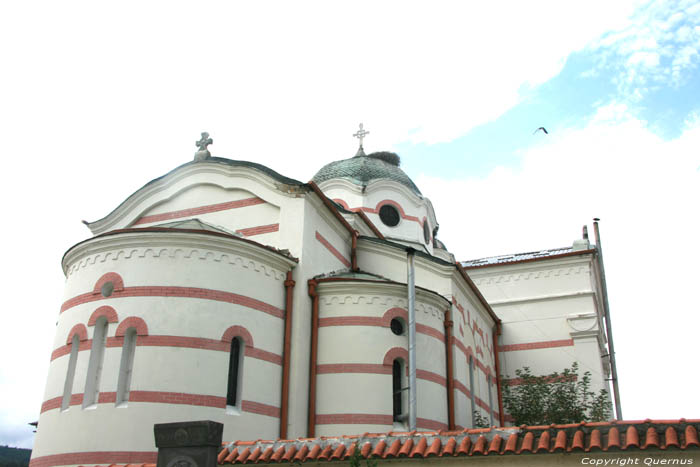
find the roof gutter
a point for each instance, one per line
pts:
(608, 324)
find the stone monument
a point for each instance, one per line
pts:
(188, 444)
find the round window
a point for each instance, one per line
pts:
(389, 215)
(107, 289)
(396, 326)
(426, 232)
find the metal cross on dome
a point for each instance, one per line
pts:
(361, 134)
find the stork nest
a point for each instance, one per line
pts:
(388, 157)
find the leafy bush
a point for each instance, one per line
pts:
(555, 398)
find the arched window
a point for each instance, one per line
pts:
(126, 367)
(70, 374)
(397, 390)
(97, 351)
(235, 373)
(471, 390)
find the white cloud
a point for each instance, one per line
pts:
(656, 43)
(645, 190)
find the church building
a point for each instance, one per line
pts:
(226, 291)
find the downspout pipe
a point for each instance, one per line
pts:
(411, 281)
(284, 406)
(608, 324)
(353, 251)
(311, 428)
(450, 371)
(501, 414)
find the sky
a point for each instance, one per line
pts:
(98, 98)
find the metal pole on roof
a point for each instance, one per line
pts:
(411, 281)
(608, 325)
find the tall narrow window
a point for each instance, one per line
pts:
(126, 367)
(97, 351)
(471, 390)
(398, 390)
(235, 373)
(70, 374)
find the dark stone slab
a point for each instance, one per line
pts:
(188, 444)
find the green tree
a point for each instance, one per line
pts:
(555, 398)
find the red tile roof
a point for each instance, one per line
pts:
(584, 437)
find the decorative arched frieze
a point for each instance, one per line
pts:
(176, 253)
(362, 299)
(132, 322)
(106, 311)
(238, 331)
(78, 329)
(114, 278)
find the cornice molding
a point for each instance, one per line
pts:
(529, 266)
(543, 298)
(388, 294)
(136, 204)
(136, 244)
(525, 274)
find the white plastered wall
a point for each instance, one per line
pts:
(175, 260)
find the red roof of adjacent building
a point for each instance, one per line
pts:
(639, 435)
(584, 437)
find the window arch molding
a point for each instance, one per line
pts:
(107, 311)
(80, 330)
(392, 354)
(238, 331)
(112, 277)
(239, 341)
(132, 322)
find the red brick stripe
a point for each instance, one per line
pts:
(176, 341)
(161, 397)
(200, 210)
(430, 376)
(339, 368)
(351, 321)
(51, 404)
(536, 345)
(373, 419)
(183, 292)
(462, 388)
(333, 251)
(427, 330)
(371, 368)
(65, 349)
(477, 362)
(353, 419)
(259, 230)
(392, 203)
(95, 458)
(430, 424)
(375, 321)
(260, 409)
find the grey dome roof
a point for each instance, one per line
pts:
(362, 169)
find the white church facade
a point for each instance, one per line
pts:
(225, 291)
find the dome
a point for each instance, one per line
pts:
(361, 169)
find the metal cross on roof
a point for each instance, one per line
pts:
(204, 141)
(361, 134)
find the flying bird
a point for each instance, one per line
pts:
(541, 128)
